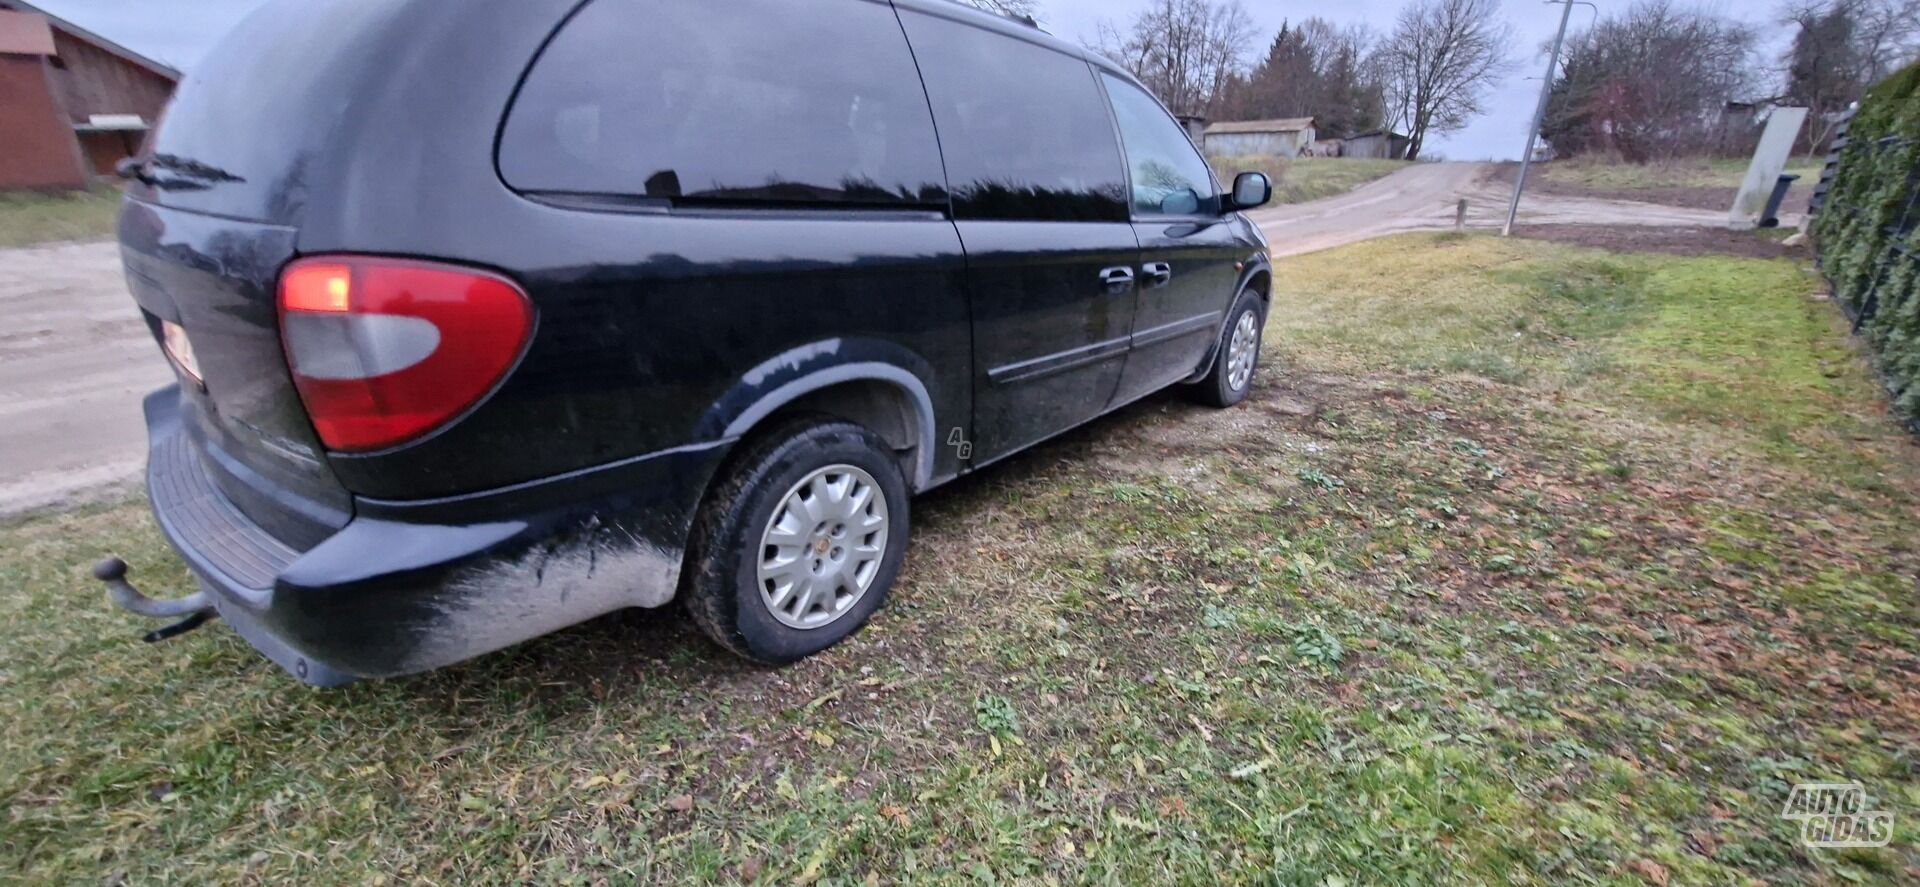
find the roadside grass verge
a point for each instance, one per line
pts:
(1523, 564)
(27, 218)
(1716, 345)
(1699, 183)
(1715, 172)
(1304, 179)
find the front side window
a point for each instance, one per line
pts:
(1169, 178)
(767, 102)
(1025, 133)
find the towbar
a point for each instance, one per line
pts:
(194, 610)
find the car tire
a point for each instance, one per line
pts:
(1236, 359)
(781, 569)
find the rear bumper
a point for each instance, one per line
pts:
(410, 587)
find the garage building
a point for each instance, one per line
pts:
(1380, 144)
(72, 103)
(1289, 137)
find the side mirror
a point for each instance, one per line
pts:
(1250, 190)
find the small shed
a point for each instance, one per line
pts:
(1287, 137)
(1195, 125)
(72, 103)
(1737, 131)
(1380, 144)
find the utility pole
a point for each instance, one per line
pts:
(1540, 113)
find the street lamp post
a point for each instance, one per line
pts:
(1540, 112)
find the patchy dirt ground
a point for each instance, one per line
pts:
(1524, 564)
(1719, 199)
(1673, 241)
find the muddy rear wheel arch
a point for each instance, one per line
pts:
(876, 385)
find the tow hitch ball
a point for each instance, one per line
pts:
(195, 607)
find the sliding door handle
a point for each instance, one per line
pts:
(1117, 280)
(1159, 274)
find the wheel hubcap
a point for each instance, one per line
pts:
(1242, 350)
(823, 547)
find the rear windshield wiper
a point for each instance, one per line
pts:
(182, 174)
(134, 169)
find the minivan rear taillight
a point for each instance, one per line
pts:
(385, 351)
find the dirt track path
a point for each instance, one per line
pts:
(1425, 196)
(75, 359)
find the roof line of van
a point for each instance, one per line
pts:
(1023, 29)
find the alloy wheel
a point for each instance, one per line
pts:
(823, 547)
(1242, 350)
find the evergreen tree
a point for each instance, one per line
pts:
(1312, 69)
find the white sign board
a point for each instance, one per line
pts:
(1769, 161)
(117, 121)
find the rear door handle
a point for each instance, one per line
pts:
(1159, 274)
(1117, 280)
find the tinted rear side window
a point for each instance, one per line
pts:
(1025, 128)
(764, 101)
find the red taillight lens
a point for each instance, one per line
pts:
(385, 351)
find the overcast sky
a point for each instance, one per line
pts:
(180, 32)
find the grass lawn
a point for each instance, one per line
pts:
(1702, 183)
(27, 219)
(1308, 178)
(1716, 172)
(1523, 564)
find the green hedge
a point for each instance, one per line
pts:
(1859, 231)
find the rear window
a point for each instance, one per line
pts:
(1026, 130)
(766, 101)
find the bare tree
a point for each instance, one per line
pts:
(1653, 81)
(1013, 8)
(1187, 51)
(1887, 34)
(1823, 66)
(1438, 63)
(1841, 47)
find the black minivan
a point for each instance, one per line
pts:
(493, 317)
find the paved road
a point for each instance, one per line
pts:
(75, 358)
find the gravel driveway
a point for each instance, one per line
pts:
(75, 359)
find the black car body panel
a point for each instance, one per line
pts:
(258, 127)
(960, 312)
(216, 278)
(1051, 338)
(407, 587)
